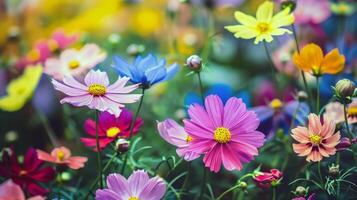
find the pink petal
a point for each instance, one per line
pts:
(196, 130)
(154, 189)
(42, 155)
(70, 91)
(137, 181)
(213, 158)
(314, 123)
(215, 109)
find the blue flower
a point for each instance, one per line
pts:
(145, 70)
(222, 90)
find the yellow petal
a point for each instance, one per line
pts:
(12, 103)
(265, 12)
(333, 62)
(242, 31)
(245, 19)
(300, 63)
(312, 55)
(283, 18)
(280, 31)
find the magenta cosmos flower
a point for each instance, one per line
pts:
(224, 133)
(96, 93)
(138, 187)
(110, 128)
(176, 135)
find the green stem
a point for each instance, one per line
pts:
(274, 193)
(346, 122)
(270, 61)
(187, 176)
(234, 187)
(317, 95)
(319, 171)
(99, 157)
(203, 183)
(131, 130)
(201, 87)
(60, 185)
(48, 129)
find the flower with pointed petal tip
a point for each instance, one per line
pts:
(226, 134)
(96, 93)
(62, 156)
(139, 186)
(61, 40)
(11, 191)
(268, 179)
(176, 135)
(311, 60)
(110, 128)
(317, 140)
(74, 62)
(264, 26)
(147, 71)
(27, 174)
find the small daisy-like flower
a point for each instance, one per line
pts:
(96, 93)
(264, 26)
(74, 62)
(334, 110)
(176, 135)
(139, 186)
(311, 60)
(317, 140)
(225, 134)
(62, 156)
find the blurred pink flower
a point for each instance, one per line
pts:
(317, 140)
(96, 93)
(62, 156)
(11, 191)
(176, 135)
(74, 62)
(311, 11)
(60, 40)
(334, 111)
(226, 134)
(282, 58)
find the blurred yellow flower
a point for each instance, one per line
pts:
(264, 26)
(342, 8)
(21, 89)
(147, 21)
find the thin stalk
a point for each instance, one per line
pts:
(346, 122)
(317, 95)
(48, 129)
(270, 61)
(60, 185)
(203, 184)
(187, 176)
(131, 130)
(99, 156)
(201, 87)
(234, 187)
(319, 171)
(274, 193)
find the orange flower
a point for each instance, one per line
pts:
(62, 156)
(317, 140)
(312, 60)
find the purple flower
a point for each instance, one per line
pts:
(137, 186)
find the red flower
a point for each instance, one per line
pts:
(110, 128)
(27, 173)
(266, 179)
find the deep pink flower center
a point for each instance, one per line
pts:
(222, 135)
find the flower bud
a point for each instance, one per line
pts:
(334, 170)
(302, 96)
(122, 145)
(135, 49)
(194, 63)
(345, 88)
(288, 4)
(300, 191)
(243, 185)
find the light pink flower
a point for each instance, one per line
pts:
(74, 62)
(282, 58)
(334, 111)
(62, 156)
(96, 93)
(312, 11)
(317, 140)
(10, 191)
(226, 134)
(61, 40)
(176, 135)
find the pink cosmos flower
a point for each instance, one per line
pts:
(312, 11)
(317, 140)
(96, 93)
(176, 135)
(110, 128)
(38, 54)
(74, 62)
(268, 179)
(62, 156)
(138, 186)
(282, 58)
(226, 134)
(334, 111)
(11, 191)
(61, 40)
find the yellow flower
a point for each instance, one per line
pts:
(342, 8)
(264, 26)
(20, 90)
(312, 60)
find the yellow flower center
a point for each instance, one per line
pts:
(188, 139)
(113, 131)
(53, 45)
(263, 27)
(222, 135)
(315, 139)
(276, 104)
(60, 155)
(34, 55)
(73, 64)
(352, 111)
(97, 90)
(133, 198)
